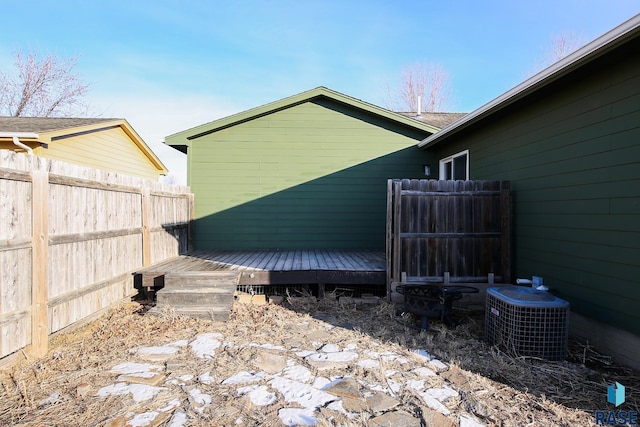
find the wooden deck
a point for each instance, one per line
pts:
(279, 267)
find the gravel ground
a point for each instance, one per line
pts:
(303, 362)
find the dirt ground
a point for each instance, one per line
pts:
(494, 388)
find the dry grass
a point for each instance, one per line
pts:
(500, 389)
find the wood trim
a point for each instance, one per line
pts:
(61, 299)
(160, 193)
(450, 193)
(84, 132)
(87, 183)
(451, 235)
(14, 175)
(15, 244)
(12, 316)
(62, 239)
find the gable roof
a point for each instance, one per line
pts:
(177, 139)
(46, 130)
(591, 51)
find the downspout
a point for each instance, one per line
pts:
(17, 142)
(15, 136)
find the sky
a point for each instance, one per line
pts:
(169, 65)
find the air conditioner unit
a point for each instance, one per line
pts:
(524, 321)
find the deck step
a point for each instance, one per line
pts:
(206, 295)
(217, 314)
(187, 279)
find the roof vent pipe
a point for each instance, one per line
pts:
(419, 113)
(17, 142)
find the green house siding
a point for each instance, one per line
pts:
(572, 153)
(309, 176)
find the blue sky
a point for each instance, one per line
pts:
(170, 65)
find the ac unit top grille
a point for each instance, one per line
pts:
(528, 297)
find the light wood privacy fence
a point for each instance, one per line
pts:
(70, 238)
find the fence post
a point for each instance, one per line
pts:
(40, 263)
(389, 234)
(146, 230)
(191, 224)
(397, 247)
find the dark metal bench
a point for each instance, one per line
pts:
(432, 301)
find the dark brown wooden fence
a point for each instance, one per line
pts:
(448, 231)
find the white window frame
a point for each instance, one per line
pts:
(449, 159)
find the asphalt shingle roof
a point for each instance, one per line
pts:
(45, 124)
(439, 120)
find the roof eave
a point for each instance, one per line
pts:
(183, 137)
(155, 160)
(587, 53)
(47, 136)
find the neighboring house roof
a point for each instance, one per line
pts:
(439, 120)
(45, 124)
(47, 130)
(319, 92)
(603, 44)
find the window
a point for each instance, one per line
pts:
(455, 167)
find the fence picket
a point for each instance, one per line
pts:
(76, 257)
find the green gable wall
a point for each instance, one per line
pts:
(572, 154)
(309, 176)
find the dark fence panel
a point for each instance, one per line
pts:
(448, 231)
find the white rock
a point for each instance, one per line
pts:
(179, 419)
(305, 353)
(438, 365)
(158, 350)
(205, 345)
(300, 393)
(442, 394)
(200, 398)
(243, 377)
(142, 420)
(171, 405)
(139, 392)
(53, 398)
(340, 356)
(298, 373)
(423, 371)
(132, 368)
(259, 395)
(415, 384)
(467, 420)
(206, 378)
(368, 363)
(321, 383)
(434, 403)
(297, 417)
(330, 348)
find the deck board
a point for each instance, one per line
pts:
(282, 266)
